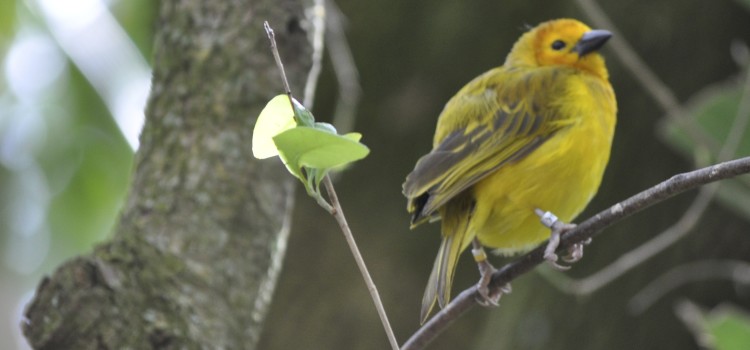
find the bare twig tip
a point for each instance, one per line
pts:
(268, 29)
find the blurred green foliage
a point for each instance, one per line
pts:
(65, 164)
(7, 19)
(724, 327)
(730, 329)
(84, 158)
(745, 3)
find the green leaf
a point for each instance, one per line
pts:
(274, 119)
(293, 166)
(308, 149)
(317, 151)
(729, 328)
(354, 136)
(314, 148)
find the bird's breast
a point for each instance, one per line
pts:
(561, 176)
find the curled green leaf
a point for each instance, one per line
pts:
(274, 119)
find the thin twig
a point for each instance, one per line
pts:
(338, 213)
(585, 230)
(317, 17)
(693, 318)
(347, 76)
(334, 208)
(663, 96)
(733, 270)
(741, 121)
(272, 38)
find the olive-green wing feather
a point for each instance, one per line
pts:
(455, 239)
(496, 119)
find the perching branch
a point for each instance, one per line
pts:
(630, 260)
(587, 229)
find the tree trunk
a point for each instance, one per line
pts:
(195, 256)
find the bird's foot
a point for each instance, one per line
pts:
(575, 252)
(487, 297)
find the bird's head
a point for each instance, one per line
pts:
(561, 42)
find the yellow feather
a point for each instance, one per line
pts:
(533, 133)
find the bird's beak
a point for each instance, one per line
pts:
(591, 41)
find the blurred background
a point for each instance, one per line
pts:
(75, 80)
(75, 77)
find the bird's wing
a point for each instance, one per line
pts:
(497, 119)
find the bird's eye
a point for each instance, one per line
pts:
(558, 45)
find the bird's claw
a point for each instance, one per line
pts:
(575, 252)
(486, 297)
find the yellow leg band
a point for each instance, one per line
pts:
(479, 255)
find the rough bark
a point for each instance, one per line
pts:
(195, 255)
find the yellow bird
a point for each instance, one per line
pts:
(534, 134)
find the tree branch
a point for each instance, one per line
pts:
(587, 229)
(628, 261)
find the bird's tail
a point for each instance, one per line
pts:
(456, 238)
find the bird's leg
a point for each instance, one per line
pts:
(486, 270)
(575, 252)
